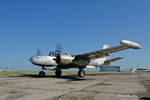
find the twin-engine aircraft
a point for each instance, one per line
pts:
(56, 61)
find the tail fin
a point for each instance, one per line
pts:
(106, 46)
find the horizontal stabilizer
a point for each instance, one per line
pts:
(107, 62)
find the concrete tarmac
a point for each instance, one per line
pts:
(102, 86)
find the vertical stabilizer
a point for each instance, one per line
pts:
(106, 46)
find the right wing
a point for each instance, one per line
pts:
(125, 44)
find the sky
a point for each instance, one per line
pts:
(81, 26)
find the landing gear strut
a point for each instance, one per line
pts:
(58, 72)
(42, 74)
(81, 73)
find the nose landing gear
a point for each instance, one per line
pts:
(42, 74)
(81, 73)
(58, 72)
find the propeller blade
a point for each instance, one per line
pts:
(59, 47)
(38, 52)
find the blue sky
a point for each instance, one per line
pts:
(80, 25)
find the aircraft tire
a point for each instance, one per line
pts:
(42, 74)
(58, 73)
(81, 73)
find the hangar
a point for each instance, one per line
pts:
(110, 69)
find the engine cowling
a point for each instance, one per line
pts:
(90, 67)
(64, 59)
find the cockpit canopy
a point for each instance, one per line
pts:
(54, 53)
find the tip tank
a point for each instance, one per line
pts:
(130, 44)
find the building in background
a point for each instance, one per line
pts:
(110, 69)
(133, 70)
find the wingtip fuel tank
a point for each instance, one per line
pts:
(130, 44)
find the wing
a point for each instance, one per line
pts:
(125, 44)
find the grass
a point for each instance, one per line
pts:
(37, 72)
(17, 72)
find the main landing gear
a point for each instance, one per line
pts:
(58, 72)
(81, 73)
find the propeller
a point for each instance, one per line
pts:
(58, 51)
(38, 52)
(59, 48)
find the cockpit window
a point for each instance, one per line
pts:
(51, 53)
(37, 57)
(56, 53)
(72, 55)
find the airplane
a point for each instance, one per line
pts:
(56, 61)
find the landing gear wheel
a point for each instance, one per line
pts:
(42, 74)
(81, 73)
(58, 73)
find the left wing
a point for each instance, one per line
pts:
(125, 44)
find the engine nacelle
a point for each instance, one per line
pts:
(65, 59)
(90, 67)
